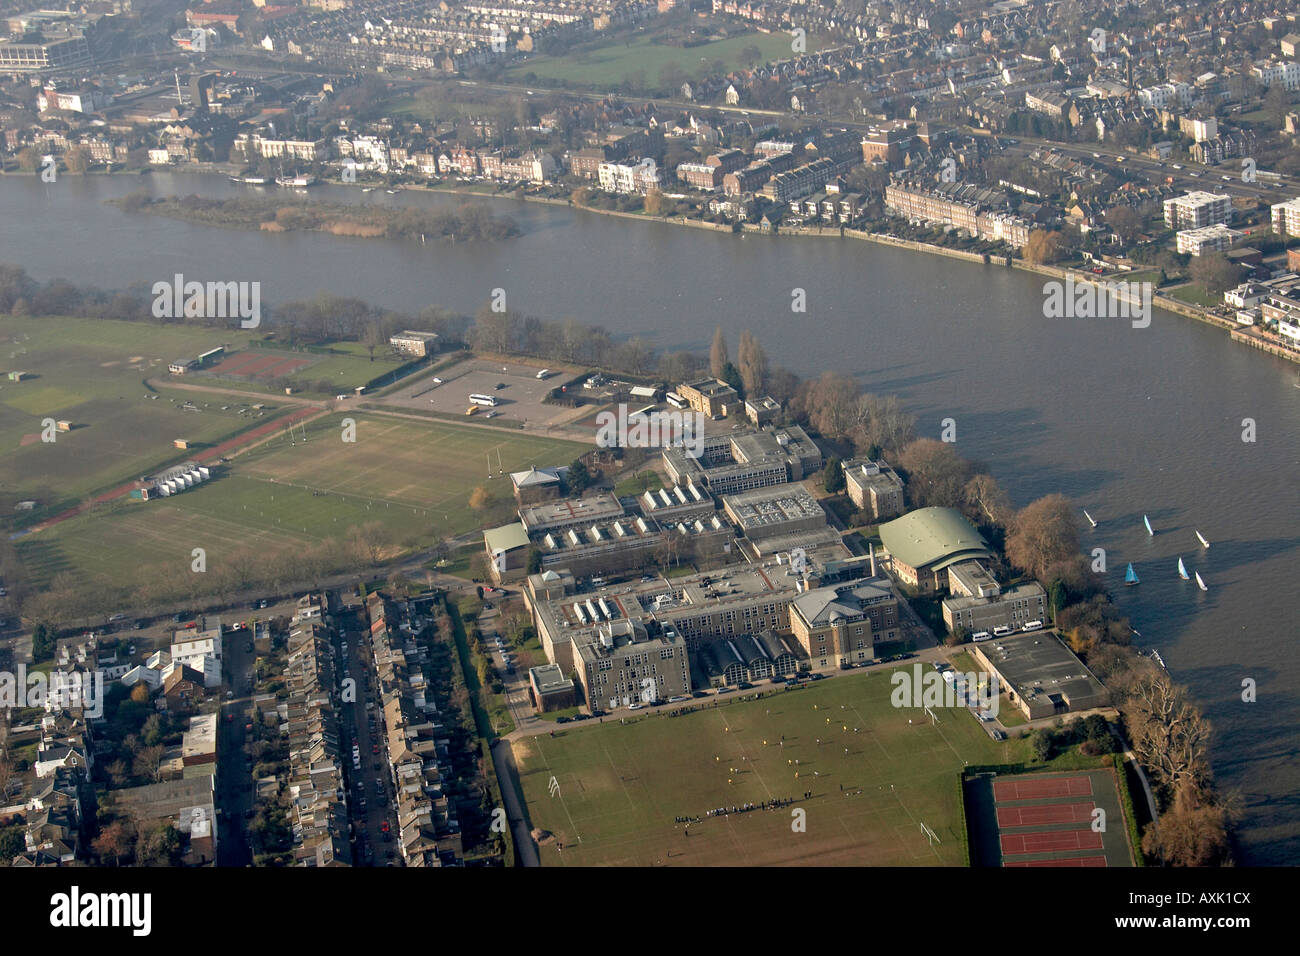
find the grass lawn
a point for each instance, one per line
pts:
(643, 481)
(622, 786)
(413, 477)
(1190, 294)
(92, 373)
(610, 65)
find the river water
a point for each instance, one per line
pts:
(1125, 421)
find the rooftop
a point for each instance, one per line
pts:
(934, 537)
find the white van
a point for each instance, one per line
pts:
(980, 636)
(543, 373)
(1032, 626)
(1002, 631)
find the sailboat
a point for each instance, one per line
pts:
(1199, 583)
(1200, 537)
(1182, 571)
(1147, 521)
(1130, 576)
(1090, 518)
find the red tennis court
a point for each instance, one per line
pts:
(1005, 790)
(1075, 861)
(237, 362)
(1045, 814)
(285, 367)
(1015, 844)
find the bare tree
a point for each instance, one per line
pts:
(1169, 734)
(753, 364)
(936, 474)
(718, 356)
(1044, 533)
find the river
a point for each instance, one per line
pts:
(1125, 421)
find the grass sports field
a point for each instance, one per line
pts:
(414, 477)
(91, 372)
(619, 788)
(610, 65)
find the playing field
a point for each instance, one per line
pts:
(412, 477)
(876, 775)
(91, 373)
(611, 65)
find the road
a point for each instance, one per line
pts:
(369, 775)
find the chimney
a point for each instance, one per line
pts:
(871, 550)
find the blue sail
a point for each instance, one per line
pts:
(1130, 576)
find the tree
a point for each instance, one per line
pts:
(534, 561)
(654, 202)
(986, 500)
(12, 843)
(1043, 534)
(936, 474)
(752, 364)
(161, 847)
(114, 841)
(1043, 247)
(718, 357)
(833, 476)
(1214, 273)
(1169, 734)
(43, 642)
(1193, 832)
(578, 476)
(1126, 221)
(77, 160)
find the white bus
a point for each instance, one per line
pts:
(488, 401)
(675, 400)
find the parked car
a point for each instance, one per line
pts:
(563, 720)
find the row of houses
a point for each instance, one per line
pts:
(416, 742)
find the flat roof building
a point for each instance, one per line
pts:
(874, 487)
(551, 689)
(769, 512)
(1197, 209)
(709, 396)
(730, 464)
(415, 343)
(629, 661)
(1040, 675)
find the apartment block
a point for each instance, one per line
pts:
(1197, 209)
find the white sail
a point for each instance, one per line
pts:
(1200, 537)
(1200, 583)
(1147, 521)
(1091, 520)
(1182, 570)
